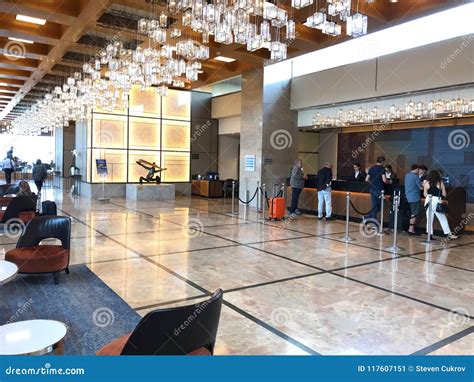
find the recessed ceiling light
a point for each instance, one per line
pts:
(200, 71)
(20, 40)
(3, 84)
(224, 59)
(29, 19)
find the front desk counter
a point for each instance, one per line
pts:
(360, 197)
(207, 188)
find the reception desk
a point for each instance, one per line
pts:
(360, 198)
(207, 188)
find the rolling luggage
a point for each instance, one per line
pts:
(48, 208)
(276, 208)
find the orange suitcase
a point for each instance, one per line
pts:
(277, 208)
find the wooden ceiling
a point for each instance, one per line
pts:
(76, 30)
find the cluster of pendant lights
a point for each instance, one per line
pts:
(410, 111)
(173, 57)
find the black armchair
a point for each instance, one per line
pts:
(31, 257)
(186, 330)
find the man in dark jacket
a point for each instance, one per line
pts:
(324, 191)
(39, 175)
(297, 178)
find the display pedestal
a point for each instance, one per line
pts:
(150, 191)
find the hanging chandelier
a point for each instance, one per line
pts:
(409, 112)
(178, 36)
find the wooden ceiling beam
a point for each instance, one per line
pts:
(89, 14)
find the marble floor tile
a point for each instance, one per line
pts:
(322, 253)
(232, 267)
(437, 284)
(463, 346)
(238, 335)
(313, 226)
(165, 242)
(143, 224)
(252, 233)
(457, 257)
(410, 245)
(206, 219)
(333, 315)
(91, 250)
(141, 283)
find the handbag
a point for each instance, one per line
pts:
(442, 208)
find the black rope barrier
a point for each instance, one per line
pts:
(253, 197)
(361, 213)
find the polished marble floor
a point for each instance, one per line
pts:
(290, 287)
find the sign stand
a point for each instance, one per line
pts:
(101, 165)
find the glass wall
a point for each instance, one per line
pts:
(153, 128)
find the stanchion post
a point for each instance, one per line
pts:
(233, 197)
(264, 201)
(430, 220)
(382, 206)
(258, 196)
(394, 248)
(346, 238)
(247, 198)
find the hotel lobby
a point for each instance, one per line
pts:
(236, 178)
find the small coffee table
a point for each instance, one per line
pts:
(32, 337)
(8, 271)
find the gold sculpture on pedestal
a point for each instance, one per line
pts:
(153, 169)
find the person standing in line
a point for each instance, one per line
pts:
(435, 187)
(8, 168)
(358, 175)
(324, 191)
(39, 175)
(377, 180)
(413, 189)
(297, 179)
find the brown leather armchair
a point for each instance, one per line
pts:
(31, 257)
(184, 330)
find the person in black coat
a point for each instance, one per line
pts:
(324, 191)
(358, 175)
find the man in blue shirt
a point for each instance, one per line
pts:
(376, 177)
(412, 191)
